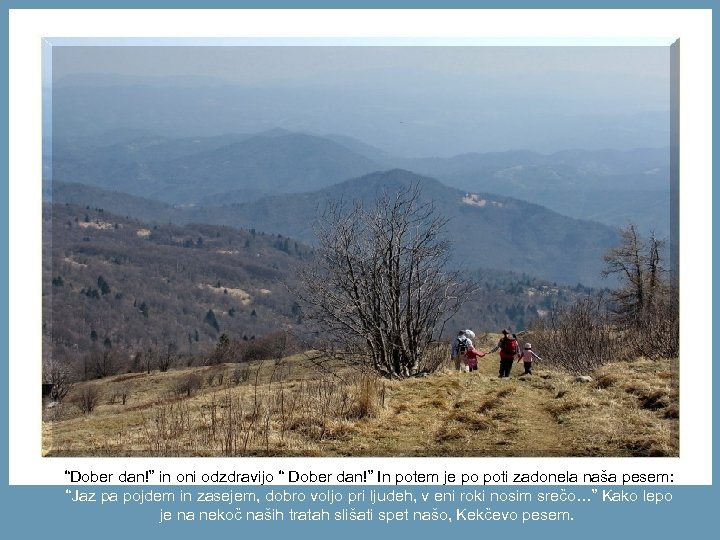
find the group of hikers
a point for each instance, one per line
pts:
(466, 355)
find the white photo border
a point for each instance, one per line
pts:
(31, 30)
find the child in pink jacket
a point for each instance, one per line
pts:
(471, 356)
(527, 355)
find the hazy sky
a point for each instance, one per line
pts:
(413, 100)
(641, 73)
(261, 64)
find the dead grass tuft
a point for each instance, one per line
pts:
(480, 423)
(567, 401)
(606, 380)
(672, 411)
(655, 400)
(340, 431)
(488, 404)
(449, 433)
(506, 392)
(401, 408)
(471, 420)
(436, 402)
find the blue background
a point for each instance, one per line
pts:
(47, 511)
(39, 512)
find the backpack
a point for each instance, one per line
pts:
(463, 345)
(509, 346)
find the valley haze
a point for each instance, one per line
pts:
(413, 101)
(537, 156)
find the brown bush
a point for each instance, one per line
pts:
(187, 385)
(87, 398)
(434, 357)
(578, 338)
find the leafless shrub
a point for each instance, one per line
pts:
(579, 338)
(241, 374)
(282, 371)
(58, 411)
(434, 357)
(322, 400)
(265, 415)
(121, 392)
(58, 376)
(167, 358)
(187, 385)
(106, 362)
(166, 430)
(659, 334)
(640, 317)
(584, 336)
(215, 376)
(87, 398)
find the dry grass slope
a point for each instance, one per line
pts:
(292, 408)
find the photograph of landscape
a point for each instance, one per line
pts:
(271, 250)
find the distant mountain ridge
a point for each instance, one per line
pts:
(487, 230)
(610, 186)
(414, 119)
(228, 166)
(613, 187)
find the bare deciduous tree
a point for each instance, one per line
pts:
(58, 375)
(641, 318)
(380, 291)
(87, 398)
(105, 362)
(167, 359)
(120, 392)
(647, 303)
(637, 263)
(187, 385)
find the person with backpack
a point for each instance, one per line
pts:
(509, 349)
(527, 356)
(461, 345)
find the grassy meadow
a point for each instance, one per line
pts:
(298, 406)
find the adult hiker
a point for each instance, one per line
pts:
(508, 347)
(527, 356)
(461, 345)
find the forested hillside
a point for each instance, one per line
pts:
(487, 231)
(119, 286)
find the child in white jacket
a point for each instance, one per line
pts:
(527, 355)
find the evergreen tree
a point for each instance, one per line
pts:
(212, 320)
(104, 286)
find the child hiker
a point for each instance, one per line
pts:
(527, 356)
(471, 356)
